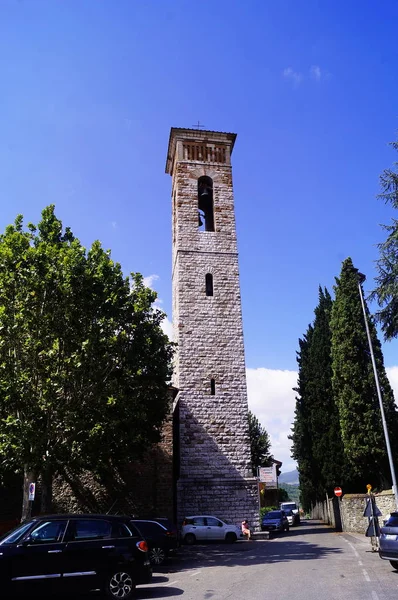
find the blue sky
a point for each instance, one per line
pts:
(90, 89)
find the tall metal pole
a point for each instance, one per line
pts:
(383, 417)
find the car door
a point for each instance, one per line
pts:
(38, 561)
(199, 528)
(215, 529)
(89, 551)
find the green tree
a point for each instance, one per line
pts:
(325, 434)
(302, 450)
(260, 444)
(354, 387)
(84, 364)
(316, 430)
(386, 292)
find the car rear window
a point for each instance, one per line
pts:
(274, 514)
(120, 530)
(150, 528)
(392, 522)
(92, 529)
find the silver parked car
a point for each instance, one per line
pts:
(389, 540)
(206, 527)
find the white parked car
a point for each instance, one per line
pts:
(205, 527)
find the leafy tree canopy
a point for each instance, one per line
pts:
(84, 364)
(386, 292)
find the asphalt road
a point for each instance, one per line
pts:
(311, 562)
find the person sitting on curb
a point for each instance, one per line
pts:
(246, 529)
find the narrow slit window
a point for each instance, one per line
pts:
(209, 284)
(205, 204)
(212, 387)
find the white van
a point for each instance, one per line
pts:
(292, 512)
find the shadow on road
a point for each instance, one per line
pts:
(310, 528)
(284, 548)
(158, 592)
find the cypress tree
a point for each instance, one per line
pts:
(316, 432)
(326, 442)
(354, 387)
(301, 432)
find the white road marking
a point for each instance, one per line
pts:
(194, 573)
(360, 563)
(171, 583)
(365, 575)
(354, 549)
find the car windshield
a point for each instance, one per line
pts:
(392, 521)
(274, 514)
(289, 506)
(16, 534)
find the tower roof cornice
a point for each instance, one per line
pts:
(196, 135)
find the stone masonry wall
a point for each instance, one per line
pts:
(215, 469)
(352, 509)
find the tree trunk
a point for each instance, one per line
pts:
(29, 476)
(46, 490)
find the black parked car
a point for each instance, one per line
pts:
(161, 535)
(74, 553)
(389, 540)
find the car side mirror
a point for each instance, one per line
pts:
(27, 541)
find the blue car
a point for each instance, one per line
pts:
(389, 541)
(275, 520)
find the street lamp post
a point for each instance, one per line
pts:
(383, 416)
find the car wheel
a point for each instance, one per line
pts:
(157, 556)
(230, 538)
(394, 564)
(120, 585)
(190, 539)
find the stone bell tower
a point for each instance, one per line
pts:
(212, 438)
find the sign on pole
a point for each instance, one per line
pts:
(32, 491)
(338, 491)
(267, 475)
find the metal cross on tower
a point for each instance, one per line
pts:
(198, 126)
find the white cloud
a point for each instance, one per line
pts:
(293, 76)
(319, 74)
(166, 325)
(316, 72)
(296, 78)
(149, 281)
(272, 400)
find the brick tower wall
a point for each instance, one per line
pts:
(215, 471)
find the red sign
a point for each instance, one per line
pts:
(338, 491)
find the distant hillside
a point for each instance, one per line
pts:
(293, 492)
(291, 477)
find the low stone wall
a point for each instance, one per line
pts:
(351, 508)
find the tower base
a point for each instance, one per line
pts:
(231, 500)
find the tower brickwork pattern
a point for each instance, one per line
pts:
(214, 448)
